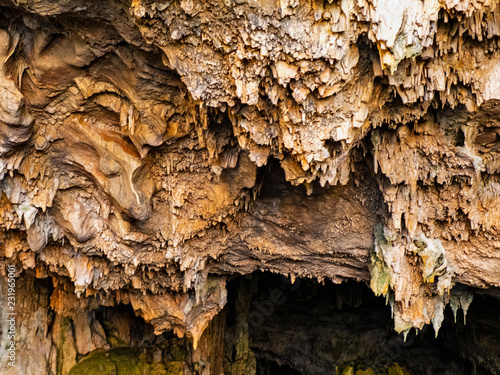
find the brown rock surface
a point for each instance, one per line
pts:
(150, 150)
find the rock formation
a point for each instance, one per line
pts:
(152, 151)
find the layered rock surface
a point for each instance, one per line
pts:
(150, 150)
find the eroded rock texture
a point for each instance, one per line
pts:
(149, 150)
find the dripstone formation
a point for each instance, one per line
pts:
(153, 151)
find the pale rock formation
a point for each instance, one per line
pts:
(140, 144)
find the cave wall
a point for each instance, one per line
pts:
(150, 150)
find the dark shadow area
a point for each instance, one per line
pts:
(312, 328)
(478, 339)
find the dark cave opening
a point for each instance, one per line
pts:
(321, 328)
(271, 326)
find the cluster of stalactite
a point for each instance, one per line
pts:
(150, 150)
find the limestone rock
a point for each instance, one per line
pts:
(151, 150)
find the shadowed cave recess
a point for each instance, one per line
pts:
(249, 187)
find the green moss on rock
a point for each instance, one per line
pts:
(361, 369)
(123, 361)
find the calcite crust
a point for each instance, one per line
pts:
(150, 150)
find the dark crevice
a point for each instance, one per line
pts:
(314, 328)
